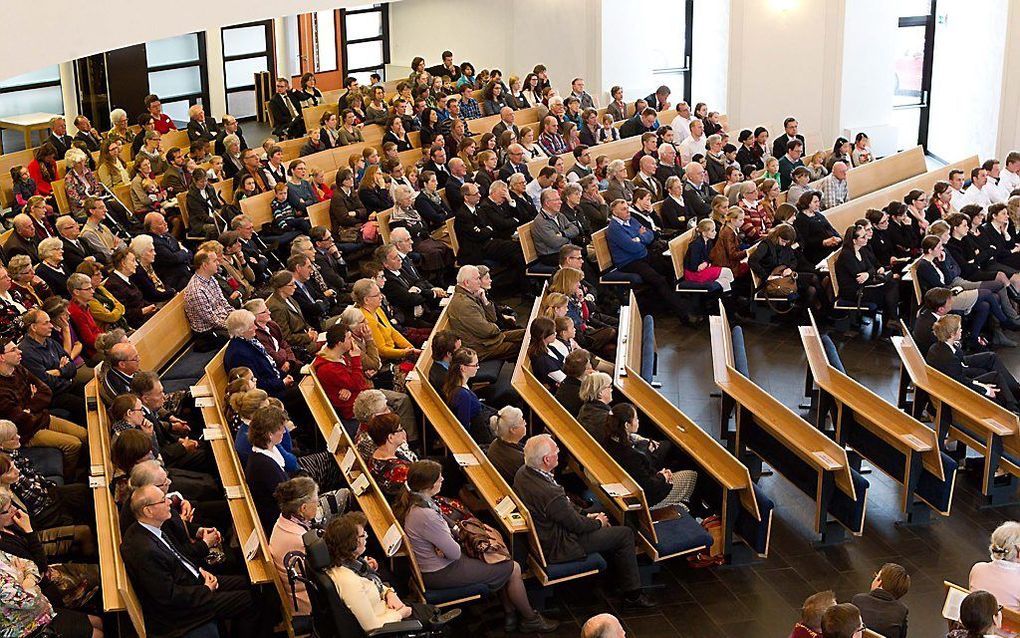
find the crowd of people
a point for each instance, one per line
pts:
(291, 298)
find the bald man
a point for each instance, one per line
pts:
(603, 626)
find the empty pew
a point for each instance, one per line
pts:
(744, 509)
(659, 540)
(967, 417)
(803, 455)
(894, 442)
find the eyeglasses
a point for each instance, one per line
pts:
(165, 499)
(471, 365)
(136, 410)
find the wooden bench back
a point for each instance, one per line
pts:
(603, 257)
(527, 243)
(163, 335)
(887, 171)
(384, 224)
(258, 208)
(678, 250)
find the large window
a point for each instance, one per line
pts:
(177, 73)
(915, 42)
(247, 50)
(35, 92)
(365, 33)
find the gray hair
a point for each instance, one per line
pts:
(369, 403)
(117, 115)
(7, 430)
(258, 303)
(19, 264)
(665, 147)
(498, 185)
(535, 448)
(141, 244)
(291, 495)
(748, 187)
(351, 316)
(692, 167)
(145, 473)
(713, 139)
(5, 498)
(77, 280)
(466, 272)
(301, 244)
(513, 179)
(505, 419)
(361, 288)
(571, 189)
(399, 234)
(615, 168)
(593, 385)
(239, 322)
(74, 156)
(1005, 542)
(670, 181)
(231, 140)
(402, 191)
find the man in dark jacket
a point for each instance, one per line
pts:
(881, 609)
(565, 533)
(417, 298)
(982, 372)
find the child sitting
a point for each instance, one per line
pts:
(284, 216)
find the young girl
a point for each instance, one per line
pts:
(601, 162)
(323, 191)
(698, 267)
(24, 189)
(608, 132)
(772, 169)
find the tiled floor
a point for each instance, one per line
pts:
(762, 599)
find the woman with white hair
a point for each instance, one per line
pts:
(145, 277)
(506, 452)
(435, 255)
(1001, 575)
(119, 122)
(715, 159)
(80, 182)
(244, 350)
(619, 186)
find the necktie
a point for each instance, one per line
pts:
(173, 550)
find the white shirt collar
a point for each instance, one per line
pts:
(272, 453)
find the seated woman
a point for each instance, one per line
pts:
(973, 252)
(980, 616)
(372, 602)
(774, 257)
(597, 394)
(63, 330)
(393, 346)
(122, 288)
(698, 267)
(862, 280)
(663, 487)
(472, 412)
(107, 310)
(429, 203)
(436, 256)
(373, 191)
(79, 181)
(442, 561)
(814, 232)
(596, 331)
(144, 277)
(759, 208)
(982, 374)
(43, 171)
(298, 502)
(32, 288)
(546, 367)
(904, 231)
(1001, 575)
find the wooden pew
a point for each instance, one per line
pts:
(534, 268)
(887, 171)
(609, 275)
(967, 417)
(841, 217)
(789, 444)
(258, 209)
(900, 446)
(743, 510)
(677, 251)
(170, 139)
(163, 335)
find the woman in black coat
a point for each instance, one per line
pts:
(662, 487)
(775, 251)
(429, 203)
(861, 277)
(547, 368)
(817, 236)
(120, 285)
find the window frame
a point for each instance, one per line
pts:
(269, 53)
(688, 68)
(924, 102)
(193, 98)
(384, 10)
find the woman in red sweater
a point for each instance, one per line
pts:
(43, 169)
(81, 289)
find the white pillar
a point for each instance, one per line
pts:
(69, 92)
(1009, 116)
(217, 106)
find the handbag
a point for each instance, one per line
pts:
(481, 541)
(76, 583)
(713, 555)
(780, 288)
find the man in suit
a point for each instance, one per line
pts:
(444, 344)
(178, 596)
(314, 306)
(473, 319)
(286, 111)
(881, 609)
(352, 89)
(200, 126)
(228, 126)
(58, 136)
(506, 123)
(173, 261)
(117, 371)
(779, 146)
(437, 164)
(87, 134)
(982, 373)
(287, 314)
(75, 250)
(447, 68)
(643, 122)
(328, 258)
(457, 178)
(666, 165)
(660, 99)
(250, 248)
(645, 177)
(565, 532)
(938, 302)
(176, 447)
(515, 164)
(23, 241)
(414, 297)
(176, 179)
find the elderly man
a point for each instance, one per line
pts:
(154, 473)
(552, 229)
(456, 179)
(116, 373)
(201, 127)
(694, 143)
(252, 249)
(666, 166)
(565, 533)
(176, 594)
(473, 318)
(415, 298)
(506, 123)
(245, 350)
(506, 452)
(833, 187)
(603, 626)
(287, 314)
(58, 136)
(75, 250)
(204, 304)
(479, 240)
(46, 358)
(172, 259)
(515, 163)
(97, 235)
(23, 241)
(645, 178)
(87, 134)
(697, 193)
(584, 98)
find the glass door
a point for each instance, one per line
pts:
(915, 45)
(672, 65)
(247, 50)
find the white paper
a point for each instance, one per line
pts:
(212, 434)
(557, 375)
(348, 461)
(200, 391)
(951, 608)
(450, 290)
(829, 462)
(251, 546)
(97, 470)
(234, 491)
(97, 481)
(615, 489)
(444, 302)
(205, 402)
(306, 369)
(412, 375)
(334, 438)
(360, 484)
(321, 337)
(465, 460)
(391, 540)
(505, 506)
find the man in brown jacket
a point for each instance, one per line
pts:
(473, 319)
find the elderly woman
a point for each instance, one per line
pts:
(1001, 575)
(107, 310)
(268, 333)
(298, 501)
(369, 404)
(122, 288)
(56, 308)
(120, 128)
(112, 171)
(619, 186)
(392, 345)
(25, 282)
(244, 350)
(440, 556)
(84, 324)
(506, 452)
(436, 256)
(373, 602)
(80, 182)
(12, 306)
(287, 314)
(597, 394)
(361, 333)
(144, 277)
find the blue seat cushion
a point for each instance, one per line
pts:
(832, 354)
(540, 270)
(48, 461)
(847, 511)
(190, 367)
(591, 562)
(680, 535)
(617, 276)
(440, 596)
(756, 533)
(740, 353)
(647, 348)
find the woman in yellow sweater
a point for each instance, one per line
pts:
(392, 345)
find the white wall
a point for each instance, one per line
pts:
(711, 53)
(868, 71)
(782, 59)
(1009, 115)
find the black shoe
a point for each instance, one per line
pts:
(442, 619)
(639, 602)
(510, 622)
(539, 624)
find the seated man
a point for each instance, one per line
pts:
(315, 306)
(285, 108)
(643, 122)
(173, 260)
(506, 452)
(204, 304)
(117, 371)
(881, 609)
(834, 187)
(175, 593)
(484, 232)
(982, 373)
(413, 297)
(95, 234)
(328, 258)
(200, 126)
(24, 240)
(45, 357)
(552, 229)
(473, 318)
(178, 449)
(564, 532)
(253, 249)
